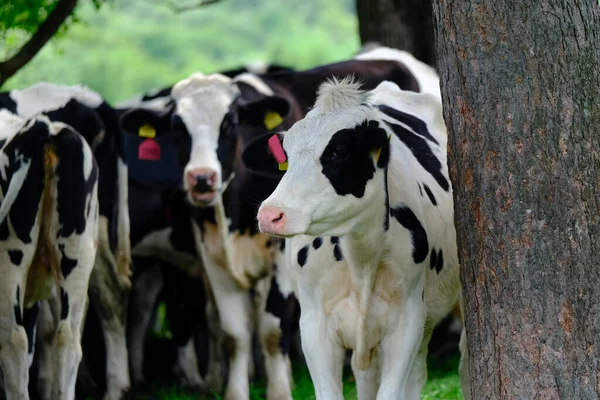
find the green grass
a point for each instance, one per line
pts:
(443, 384)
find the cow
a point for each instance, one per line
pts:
(366, 208)
(221, 116)
(88, 113)
(48, 233)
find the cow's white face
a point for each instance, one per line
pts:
(201, 103)
(336, 160)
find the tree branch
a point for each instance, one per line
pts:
(44, 33)
(178, 9)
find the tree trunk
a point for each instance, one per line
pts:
(521, 93)
(402, 24)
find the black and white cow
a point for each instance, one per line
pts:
(88, 113)
(221, 116)
(49, 236)
(366, 207)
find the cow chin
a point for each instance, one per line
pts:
(201, 199)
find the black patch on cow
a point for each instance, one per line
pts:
(317, 242)
(269, 243)
(347, 160)
(430, 195)
(433, 259)
(7, 102)
(335, 240)
(27, 146)
(66, 264)
(64, 304)
(16, 256)
(283, 308)
(337, 252)
(415, 123)
(73, 187)
(422, 152)
(303, 256)
(282, 245)
(2, 142)
(420, 189)
(164, 92)
(17, 308)
(439, 262)
(85, 120)
(30, 316)
(386, 217)
(407, 218)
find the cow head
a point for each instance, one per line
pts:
(336, 158)
(201, 104)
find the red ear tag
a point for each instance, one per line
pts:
(277, 149)
(149, 150)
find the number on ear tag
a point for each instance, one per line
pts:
(147, 131)
(272, 120)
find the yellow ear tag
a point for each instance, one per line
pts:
(272, 120)
(283, 166)
(147, 131)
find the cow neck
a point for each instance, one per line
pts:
(364, 249)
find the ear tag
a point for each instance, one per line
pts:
(278, 153)
(272, 120)
(147, 131)
(149, 150)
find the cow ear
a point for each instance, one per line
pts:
(257, 157)
(268, 112)
(146, 123)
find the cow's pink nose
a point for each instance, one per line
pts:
(271, 220)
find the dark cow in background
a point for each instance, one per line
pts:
(98, 122)
(223, 114)
(48, 235)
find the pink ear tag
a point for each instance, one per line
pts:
(149, 150)
(278, 153)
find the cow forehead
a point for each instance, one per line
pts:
(316, 130)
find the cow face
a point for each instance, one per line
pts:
(336, 160)
(201, 104)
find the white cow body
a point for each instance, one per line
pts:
(382, 291)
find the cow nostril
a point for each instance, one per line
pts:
(202, 184)
(279, 218)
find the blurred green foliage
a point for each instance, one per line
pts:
(131, 46)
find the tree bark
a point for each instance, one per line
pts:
(521, 83)
(46, 30)
(402, 24)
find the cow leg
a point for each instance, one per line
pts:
(13, 337)
(399, 350)
(367, 381)
(185, 303)
(270, 332)
(418, 375)
(77, 253)
(146, 288)
(109, 297)
(45, 334)
(233, 305)
(213, 330)
(324, 357)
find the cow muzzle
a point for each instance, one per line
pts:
(203, 185)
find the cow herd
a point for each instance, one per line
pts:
(251, 202)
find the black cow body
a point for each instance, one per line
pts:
(48, 233)
(98, 123)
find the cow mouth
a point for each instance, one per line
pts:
(202, 198)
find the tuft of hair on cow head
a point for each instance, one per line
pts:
(259, 159)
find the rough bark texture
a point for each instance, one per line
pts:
(521, 93)
(47, 29)
(402, 24)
